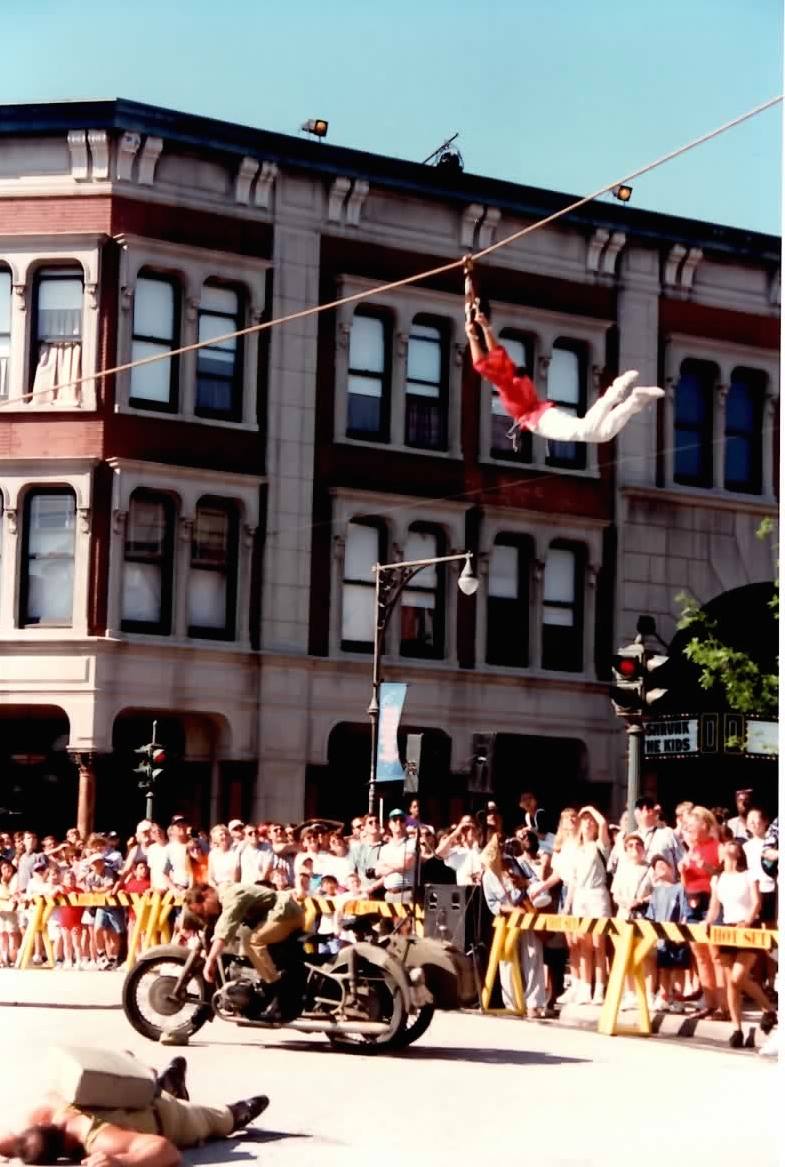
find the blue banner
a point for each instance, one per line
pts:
(388, 759)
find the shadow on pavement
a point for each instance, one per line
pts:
(241, 1148)
(431, 1053)
(54, 1005)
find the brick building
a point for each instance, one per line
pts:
(191, 539)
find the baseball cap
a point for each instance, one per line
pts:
(235, 823)
(177, 818)
(144, 825)
(397, 813)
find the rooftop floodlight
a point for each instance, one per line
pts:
(467, 580)
(622, 193)
(316, 126)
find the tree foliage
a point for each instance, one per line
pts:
(748, 689)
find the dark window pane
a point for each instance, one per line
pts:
(423, 423)
(740, 409)
(738, 462)
(690, 401)
(364, 413)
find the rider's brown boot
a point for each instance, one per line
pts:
(245, 1111)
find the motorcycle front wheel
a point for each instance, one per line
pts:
(382, 998)
(148, 1002)
(416, 1025)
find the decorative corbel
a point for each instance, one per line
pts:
(80, 161)
(401, 344)
(689, 267)
(255, 313)
(99, 150)
(118, 521)
(191, 308)
(596, 376)
(355, 201)
(249, 534)
(83, 514)
(672, 263)
(490, 222)
(91, 294)
(344, 335)
(458, 349)
(148, 160)
(246, 173)
(126, 298)
(543, 364)
(264, 185)
(338, 192)
(470, 219)
(127, 149)
(538, 569)
(186, 527)
(611, 253)
(11, 518)
(592, 571)
(594, 250)
(20, 291)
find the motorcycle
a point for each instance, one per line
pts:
(376, 995)
(360, 998)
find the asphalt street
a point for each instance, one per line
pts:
(474, 1089)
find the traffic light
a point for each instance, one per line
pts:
(638, 677)
(481, 772)
(151, 768)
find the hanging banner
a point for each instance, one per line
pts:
(388, 759)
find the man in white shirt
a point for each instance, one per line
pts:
(396, 861)
(460, 850)
(178, 861)
(738, 824)
(657, 838)
(254, 856)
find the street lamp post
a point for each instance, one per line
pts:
(391, 579)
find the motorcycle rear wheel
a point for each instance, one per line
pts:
(386, 1004)
(417, 1024)
(148, 1005)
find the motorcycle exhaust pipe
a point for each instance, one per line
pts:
(365, 1028)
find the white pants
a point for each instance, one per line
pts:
(532, 974)
(609, 414)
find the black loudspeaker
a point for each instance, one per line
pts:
(458, 915)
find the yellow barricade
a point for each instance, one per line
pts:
(153, 911)
(633, 940)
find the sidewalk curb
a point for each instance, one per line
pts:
(678, 1026)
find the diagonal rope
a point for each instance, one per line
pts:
(418, 276)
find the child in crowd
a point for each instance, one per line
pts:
(672, 959)
(9, 919)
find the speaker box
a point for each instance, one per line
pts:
(458, 915)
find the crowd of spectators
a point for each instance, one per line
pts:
(710, 865)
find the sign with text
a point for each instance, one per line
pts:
(388, 758)
(677, 736)
(740, 937)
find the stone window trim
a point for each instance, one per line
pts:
(402, 307)
(191, 268)
(398, 513)
(542, 328)
(187, 488)
(539, 528)
(25, 258)
(676, 349)
(17, 480)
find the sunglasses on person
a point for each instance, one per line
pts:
(251, 831)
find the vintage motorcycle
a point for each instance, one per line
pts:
(369, 997)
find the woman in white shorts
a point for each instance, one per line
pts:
(591, 898)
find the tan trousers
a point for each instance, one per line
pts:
(186, 1124)
(278, 925)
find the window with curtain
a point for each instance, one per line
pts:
(562, 612)
(365, 546)
(693, 424)
(368, 386)
(744, 432)
(156, 330)
(47, 591)
(567, 389)
(521, 352)
(422, 602)
(508, 603)
(5, 330)
(149, 563)
(426, 385)
(218, 365)
(212, 581)
(57, 341)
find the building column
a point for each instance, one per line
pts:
(85, 813)
(718, 436)
(536, 614)
(589, 619)
(767, 445)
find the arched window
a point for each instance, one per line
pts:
(219, 365)
(368, 387)
(743, 431)
(422, 602)
(156, 330)
(212, 581)
(149, 564)
(521, 352)
(5, 330)
(57, 339)
(562, 611)
(365, 546)
(427, 384)
(508, 602)
(47, 584)
(567, 389)
(693, 421)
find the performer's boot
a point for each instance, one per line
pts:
(172, 1079)
(245, 1111)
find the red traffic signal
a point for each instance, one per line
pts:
(627, 667)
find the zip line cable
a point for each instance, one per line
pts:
(406, 280)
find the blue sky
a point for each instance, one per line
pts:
(566, 94)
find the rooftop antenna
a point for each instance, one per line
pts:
(443, 153)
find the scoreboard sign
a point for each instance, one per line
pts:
(675, 737)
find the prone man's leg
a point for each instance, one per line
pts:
(186, 1124)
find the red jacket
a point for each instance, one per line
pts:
(519, 397)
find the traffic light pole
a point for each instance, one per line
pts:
(634, 759)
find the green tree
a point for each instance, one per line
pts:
(747, 687)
